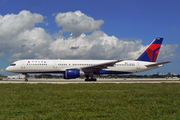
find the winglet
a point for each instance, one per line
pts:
(151, 53)
(119, 60)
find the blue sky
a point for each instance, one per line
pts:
(125, 19)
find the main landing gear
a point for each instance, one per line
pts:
(91, 77)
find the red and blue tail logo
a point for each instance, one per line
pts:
(151, 53)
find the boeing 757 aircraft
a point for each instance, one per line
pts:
(76, 68)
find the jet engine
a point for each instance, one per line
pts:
(72, 73)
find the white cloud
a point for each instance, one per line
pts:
(77, 22)
(168, 51)
(98, 45)
(30, 44)
(12, 24)
(20, 37)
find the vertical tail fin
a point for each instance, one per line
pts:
(151, 53)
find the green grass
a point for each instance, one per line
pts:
(90, 101)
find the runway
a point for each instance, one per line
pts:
(77, 81)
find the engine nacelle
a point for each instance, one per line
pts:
(72, 73)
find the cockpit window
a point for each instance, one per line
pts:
(13, 64)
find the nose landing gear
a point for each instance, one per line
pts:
(26, 79)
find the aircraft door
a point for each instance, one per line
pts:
(55, 66)
(23, 66)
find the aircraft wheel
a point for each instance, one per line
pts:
(94, 79)
(86, 80)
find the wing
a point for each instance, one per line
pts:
(98, 67)
(156, 64)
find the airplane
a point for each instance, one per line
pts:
(75, 68)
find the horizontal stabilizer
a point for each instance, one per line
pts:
(156, 64)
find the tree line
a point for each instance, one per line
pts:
(55, 76)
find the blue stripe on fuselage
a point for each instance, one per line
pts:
(112, 72)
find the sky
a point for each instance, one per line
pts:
(88, 29)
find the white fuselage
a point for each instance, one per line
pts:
(59, 66)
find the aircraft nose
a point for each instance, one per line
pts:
(8, 69)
